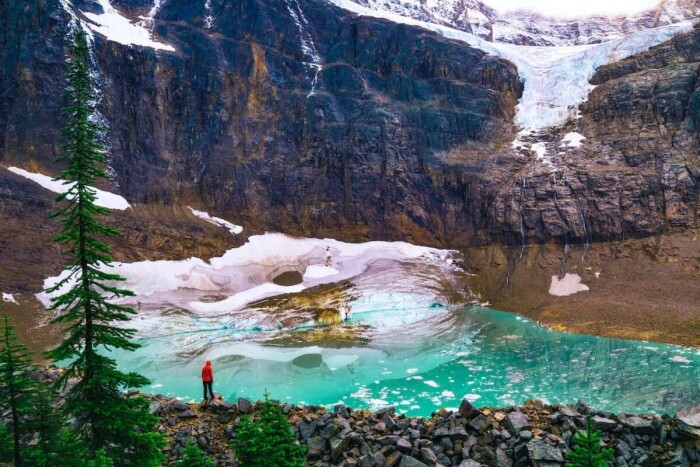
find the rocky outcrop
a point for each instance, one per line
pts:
(534, 434)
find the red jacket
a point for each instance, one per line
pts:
(207, 372)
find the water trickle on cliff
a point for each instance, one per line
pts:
(308, 48)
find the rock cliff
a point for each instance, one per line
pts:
(300, 117)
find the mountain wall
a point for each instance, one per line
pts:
(297, 116)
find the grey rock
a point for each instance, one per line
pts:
(316, 447)
(179, 406)
(428, 456)
(517, 422)
(469, 463)
(688, 422)
(540, 451)
(480, 423)
(244, 406)
(602, 423)
(638, 425)
(466, 409)
(408, 461)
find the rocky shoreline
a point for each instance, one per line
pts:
(534, 434)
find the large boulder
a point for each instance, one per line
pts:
(688, 422)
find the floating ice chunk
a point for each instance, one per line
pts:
(233, 228)
(103, 198)
(9, 298)
(317, 271)
(568, 285)
(679, 359)
(410, 371)
(448, 394)
(431, 383)
(118, 28)
(572, 140)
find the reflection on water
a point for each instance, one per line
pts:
(418, 354)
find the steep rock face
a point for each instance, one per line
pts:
(308, 121)
(297, 116)
(646, 112)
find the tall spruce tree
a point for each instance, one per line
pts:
(16, 387)
(106, 420)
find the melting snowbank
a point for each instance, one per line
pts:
(245, 274)
(568, 285)
(103, 198)
(118, 28)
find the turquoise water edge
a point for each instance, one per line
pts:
(421, 360)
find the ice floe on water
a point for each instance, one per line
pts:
(103, 198)
(567, 285)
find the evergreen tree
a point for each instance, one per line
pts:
(56, 444)
(269, 441)
(589, 452)
(121, 426)
(193, 457)
(16, 386)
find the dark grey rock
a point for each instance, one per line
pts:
(244, 406)
(480, 423)
(517, 422)
(540, 451)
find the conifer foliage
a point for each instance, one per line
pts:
(16, 386)
(588, 451)
(268, 441)
(193, 457)
(105, 420)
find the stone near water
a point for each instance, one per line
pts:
(602, 423)
(480, 423)
(517, 422)
(244, 406)
(688, 422)
(638, 425)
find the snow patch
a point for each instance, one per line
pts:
(244, 274)
(9, 298)
(148, 21)
(103, 198)
(572, 140)
(318, 271)
(233, 228)
(209, 19)
(568, 285)
(118, 28)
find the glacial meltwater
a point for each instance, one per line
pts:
(419, 357)
(319, 321)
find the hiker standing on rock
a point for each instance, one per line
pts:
(208, 379)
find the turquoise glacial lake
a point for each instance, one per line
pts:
(419, 359)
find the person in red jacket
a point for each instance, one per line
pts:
(207, 379)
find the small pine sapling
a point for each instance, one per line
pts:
(588, 451)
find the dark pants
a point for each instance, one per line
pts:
(207, 384)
